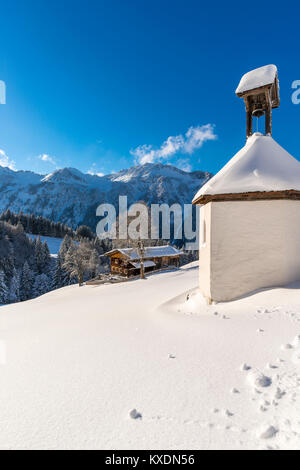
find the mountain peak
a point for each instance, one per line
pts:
(69, 196)
(149, 170)
(65, 175)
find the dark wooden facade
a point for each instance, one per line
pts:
(122, 265)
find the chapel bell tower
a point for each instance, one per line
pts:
(260, 91)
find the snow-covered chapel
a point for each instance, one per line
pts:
(250, 210)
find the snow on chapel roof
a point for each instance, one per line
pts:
(261, 165)
(257, 78)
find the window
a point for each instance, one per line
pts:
(202, 231)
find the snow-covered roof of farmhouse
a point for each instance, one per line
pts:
(257, 78)
(261, 165)
(147, 264)
(150, 252)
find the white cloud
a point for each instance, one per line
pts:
(184, 164)
(192, 140)
(93, 171)
(196, 136)
(47, 158)
(6, 161)
(95, 174)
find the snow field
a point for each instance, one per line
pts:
(148, 365)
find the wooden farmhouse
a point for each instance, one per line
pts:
(250, 210)
(126, 261)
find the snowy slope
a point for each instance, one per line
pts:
(261, 165)
(71, 197)
(76, 361)
(52, 242)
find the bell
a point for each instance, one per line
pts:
(258, 112)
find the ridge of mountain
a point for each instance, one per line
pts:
(69, 196)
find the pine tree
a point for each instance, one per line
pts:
(26, 283)
(3, 289)
(66, 279)
(46, 256)
(41, 285)
(8, 265)
(19, 227)
(39, 256)
(14, 291)
(59, 274)
(83, 231)
(94, 263)
(98, 245)
(42, 256)
(64, 247)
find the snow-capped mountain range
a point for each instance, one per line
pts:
(70, 196)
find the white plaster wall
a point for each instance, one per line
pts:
(251, 245)
(205, 252)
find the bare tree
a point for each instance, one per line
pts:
(78, 260)
(141, 253)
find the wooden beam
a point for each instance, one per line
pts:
(250, 196)
(249, 120)
(268, 114)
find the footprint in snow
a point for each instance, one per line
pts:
(228, 413)
(235, 390)
(257, 379)
(134, 414)
(271, 366)
(245, 367)
(263, 408)
(286, 346)
(171, 356)
(279, 393)
(268, 432)
(259, 330)
(264, 405)
(262, 310)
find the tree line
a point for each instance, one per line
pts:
(37, 225)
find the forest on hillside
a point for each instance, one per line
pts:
(27, 270)
(37, 225)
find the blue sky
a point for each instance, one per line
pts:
(99, 85)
